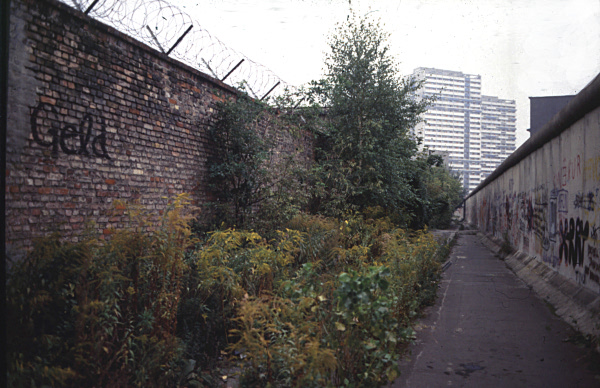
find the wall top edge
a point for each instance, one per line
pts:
(584, 102)
(120, 35)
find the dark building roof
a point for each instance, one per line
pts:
(543, 109)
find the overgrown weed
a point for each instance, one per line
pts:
(91, 314)
(324, 302)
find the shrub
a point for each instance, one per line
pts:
(357, 286)
(256, 185)
(323, 303)
(281, 343)
(366, 330)
(87, 314)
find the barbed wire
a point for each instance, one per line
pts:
(168, 29)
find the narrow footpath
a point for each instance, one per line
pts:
(488, 329)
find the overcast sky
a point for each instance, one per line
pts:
(521, 48)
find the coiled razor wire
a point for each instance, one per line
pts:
(166, 28)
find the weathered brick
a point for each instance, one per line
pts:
(151, 138)
(48, 100)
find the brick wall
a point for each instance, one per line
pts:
(96, 116)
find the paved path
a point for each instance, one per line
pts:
(488, 329)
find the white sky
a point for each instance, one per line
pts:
(521, 48)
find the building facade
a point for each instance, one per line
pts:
(475, 133)
(498, 127)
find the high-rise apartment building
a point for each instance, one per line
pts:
(498, 127)
(475, 133)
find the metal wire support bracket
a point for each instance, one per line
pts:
(209, 68)
(232, 70)
(180, 38)
(91, 7)
(299, 102)
(168, 29)
(269, 92)
(155, 39)
(247, 85)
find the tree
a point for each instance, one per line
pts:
(446, 194)
(237, 169)
(439, 189)
(256, 184)
(365, 152)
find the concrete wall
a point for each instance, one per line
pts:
(96, 116)
(545, 200)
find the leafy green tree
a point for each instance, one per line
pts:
(238, 168)
(365, 153)
(257, 171)
(447, 193)
(440, 191)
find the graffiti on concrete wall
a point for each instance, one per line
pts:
(573, 235)
(570, 170)
(591, 169)
(595, 232)
(585, 201)
(563, 205)
(540, 210)
(592, 270)
(552, 221)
